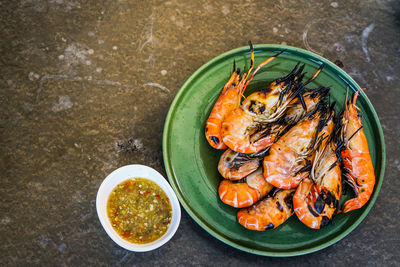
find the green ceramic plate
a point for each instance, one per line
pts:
(191, 164)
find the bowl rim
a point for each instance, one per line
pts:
(131, 172)
(312, 57)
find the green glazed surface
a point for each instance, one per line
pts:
(191, 164)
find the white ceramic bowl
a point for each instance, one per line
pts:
(125, 173)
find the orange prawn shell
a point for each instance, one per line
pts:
(283, 154)
(276, 168)
(306, 194)
(301, 201)
(240, 172)
(269, 213)
(327, 176)
(244, 194)
(233, 128)
(237, 195)
(226, 102)
(357, 159)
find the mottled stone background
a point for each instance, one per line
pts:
(85, 88)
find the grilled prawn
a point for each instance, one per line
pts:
(228, 101)
(316, 200)
(291, 154)
(247, 129)
(359, 171)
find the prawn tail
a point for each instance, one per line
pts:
(352, 204)
(249, 222)
(305, 212)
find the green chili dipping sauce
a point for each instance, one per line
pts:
(139, 210)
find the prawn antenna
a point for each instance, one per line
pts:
(301, 76)
(251, 45)
(303, 103)
(315, 74)
(305, 168)
(299, 90)
(280, 52)
(299, 72)
(251, 57)
(291, 74)
(355, 132)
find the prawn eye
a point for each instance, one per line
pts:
(214, 139)
(279, 206)
(289, 201)
(269, 226)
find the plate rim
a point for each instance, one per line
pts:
(241, 50)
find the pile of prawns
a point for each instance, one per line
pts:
(286, 150)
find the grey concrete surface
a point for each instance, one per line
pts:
(77, 78)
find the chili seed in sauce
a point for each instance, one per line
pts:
(139, 210)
